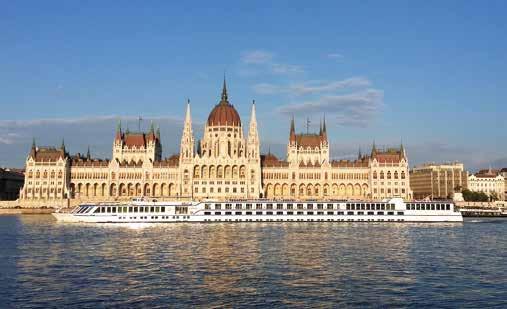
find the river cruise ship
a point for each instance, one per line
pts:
(153, 211)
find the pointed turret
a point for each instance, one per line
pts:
(292, 134)
(152, 127)
(320, 128)
(253, 136)
(373, 150)
(359, 155)
(88, 155)
(158, 133)
(33, 143)
(324, 130)
(187, 138)
(224, 99)
(118, 131)
(62, 147)
(402, 150)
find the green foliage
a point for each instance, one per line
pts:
(473, 196)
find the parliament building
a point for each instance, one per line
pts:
(223, 164)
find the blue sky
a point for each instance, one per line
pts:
(430, 73)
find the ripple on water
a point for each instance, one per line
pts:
(47, 264)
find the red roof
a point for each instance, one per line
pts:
(308, 140)
(224, 114)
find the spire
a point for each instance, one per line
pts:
(158, 132)
(88, 156)
(373, 149)
(118, 127)
(320, 128)
(33, 143)
(324, 125)
(62, 147)
(292, 134)
(359, 155)
(402, 148)
(152, 127)
(253, 136)
(224, 99)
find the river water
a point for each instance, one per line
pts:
(48, 264)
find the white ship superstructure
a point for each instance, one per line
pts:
(153, 211)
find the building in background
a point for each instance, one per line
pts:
(503, 172)
(437, 181)
(223, 164)
(11, 181)
(489, 181)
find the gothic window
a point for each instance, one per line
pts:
(389, 175)
(382, 175)
(396, 175)
(402, 175)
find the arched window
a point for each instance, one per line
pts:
(382, 175)
(402, 175)
(375, 175)
(396, 175)
(389, 175)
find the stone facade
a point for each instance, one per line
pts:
(224, 164)
(437, 180)
(489, 182)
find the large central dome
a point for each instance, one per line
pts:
(224, 114)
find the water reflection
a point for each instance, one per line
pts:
(278, 264)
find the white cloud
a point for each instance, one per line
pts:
(279, 68)
(335, 56)
(355, 109)
(264, 59)
(312, 87)
(256, 57)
